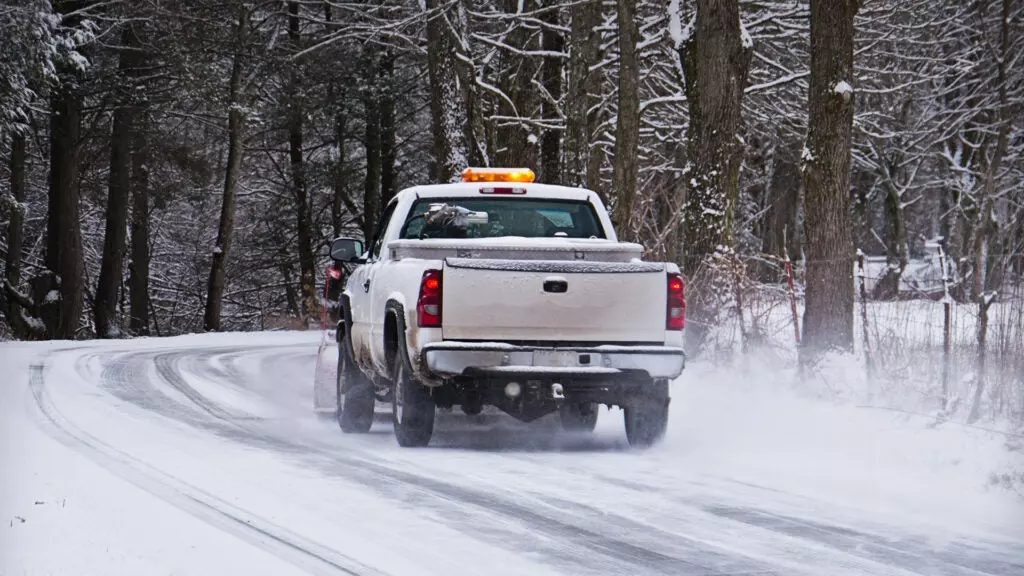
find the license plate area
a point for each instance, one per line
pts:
(562, 358)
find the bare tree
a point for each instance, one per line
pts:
(715, 59)
(303, 214)
(448, 106)
(15, 207)
(552, 42)
(236, 130)
(138, 278)
(64, 264)
(991, 169)
(828, 317)
(118, 190)
(584, 49)
(627, 126)
(388, 143)
(371, 142)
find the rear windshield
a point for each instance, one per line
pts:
(509, 216)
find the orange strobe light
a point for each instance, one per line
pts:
(498, 175)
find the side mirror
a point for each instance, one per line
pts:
(346, 249)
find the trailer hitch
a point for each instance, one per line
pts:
(557, 393)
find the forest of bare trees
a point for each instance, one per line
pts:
(179, 165)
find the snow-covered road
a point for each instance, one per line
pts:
(201, 455)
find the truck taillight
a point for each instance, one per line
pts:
(675, 315)
(428, 307)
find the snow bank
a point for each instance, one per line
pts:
(62, 513)
(763, 425)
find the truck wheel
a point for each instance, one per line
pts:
(647, 415)
(580, 417)
(412, 406)
(355, 393)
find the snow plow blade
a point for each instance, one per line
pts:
(325, 381)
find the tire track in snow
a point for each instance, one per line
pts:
(577, 532)
(906, 554)
(958, 558)
(598, 542)
(571, 543)
(167, 366)
(259, 532)
(715, 556)
(848, 549)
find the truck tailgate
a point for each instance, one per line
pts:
(556, 301)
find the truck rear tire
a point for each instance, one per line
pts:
(646, 416)
(412, 405)
(355, 394)
(579, 417)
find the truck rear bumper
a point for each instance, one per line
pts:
(454, 358)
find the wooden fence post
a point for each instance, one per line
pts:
(792, 291)
(947, 320)
(862, 277)
(984, 303)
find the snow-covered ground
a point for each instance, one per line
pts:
(201, 455)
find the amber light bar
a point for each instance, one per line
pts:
(498, 175)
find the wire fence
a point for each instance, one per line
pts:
(920, 347)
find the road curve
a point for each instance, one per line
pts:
(227, 434)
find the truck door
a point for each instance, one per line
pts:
(360, 286)
(364, 338)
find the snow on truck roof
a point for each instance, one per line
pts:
(500, 182)
(473, 189)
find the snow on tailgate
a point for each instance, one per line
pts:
(553, 266)
(517, 248)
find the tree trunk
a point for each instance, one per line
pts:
(627, 127)
(992, 166)
(663, 237)
(595, 163)
(895, 246)
(63, 234)
(138, 279)
(388, 151)
(551, 80)
(980, 368)
(828, 316)
(289, 289)
(118, 191)
(236, 126)
(466, 69)
(304, 216)
(512, 140)
(584, 47)
(15, 234)
(339, 195)
(715, 62)
(862, 219)
(447, 106)
(340, 200)
(371, 140)
(781, 234)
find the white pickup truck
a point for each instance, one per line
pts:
(503, 292)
